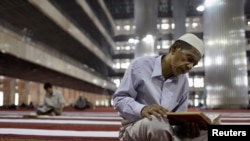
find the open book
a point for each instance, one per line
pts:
(201, 118)
(43, 109)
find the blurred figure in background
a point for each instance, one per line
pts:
(82, 103)
(53, 102)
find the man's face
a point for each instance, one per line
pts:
(184, 60)
(49, 90)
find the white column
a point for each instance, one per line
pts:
(146, 26)
(225, 54)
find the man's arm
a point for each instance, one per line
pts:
(61, 102)
(125, 95)
(44, 101)
(61, 107)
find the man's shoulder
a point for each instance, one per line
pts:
(144, 59)
(56, 92)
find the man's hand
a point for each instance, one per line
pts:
(154, 109)
(61, 108)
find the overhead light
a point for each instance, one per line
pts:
(164, 26)
(133, 41)
(148, 38)
(209, 3)
(173, 25)
(200, 8)
(127, 27)
(194, 25)
(118, 27)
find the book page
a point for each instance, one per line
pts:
(214, 117)
(43, 109)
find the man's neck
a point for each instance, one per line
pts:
(166, 67)
(50, 94)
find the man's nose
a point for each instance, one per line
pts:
(190, 66)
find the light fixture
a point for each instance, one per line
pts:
(200, 8)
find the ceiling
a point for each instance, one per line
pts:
(124, 9)
(14, 67)
(20, 14)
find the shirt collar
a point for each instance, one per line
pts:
(157, 69)
(53, 93)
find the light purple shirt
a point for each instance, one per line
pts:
(143, 84)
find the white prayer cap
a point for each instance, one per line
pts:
(194, 41)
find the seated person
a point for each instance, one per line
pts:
(31, 105)
(81, 103)
(23, 105)
(152, 87)
(53, 102)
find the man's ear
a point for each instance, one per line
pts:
(174, 47)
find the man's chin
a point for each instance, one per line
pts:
(178, 73)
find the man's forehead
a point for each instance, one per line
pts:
(194, 52)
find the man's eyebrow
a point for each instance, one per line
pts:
(193, 57)
(191, 54)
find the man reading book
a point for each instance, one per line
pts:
(52, 103)
(152, 87)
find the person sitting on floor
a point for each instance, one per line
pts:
(53, 102)
(152, 87)
(31, 105)
(81, 103)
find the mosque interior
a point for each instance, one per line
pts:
(87, 45)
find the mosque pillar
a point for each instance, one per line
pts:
(225, 54)
(146, 16)
(22, 88)
(9, 91)
(179, 17)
